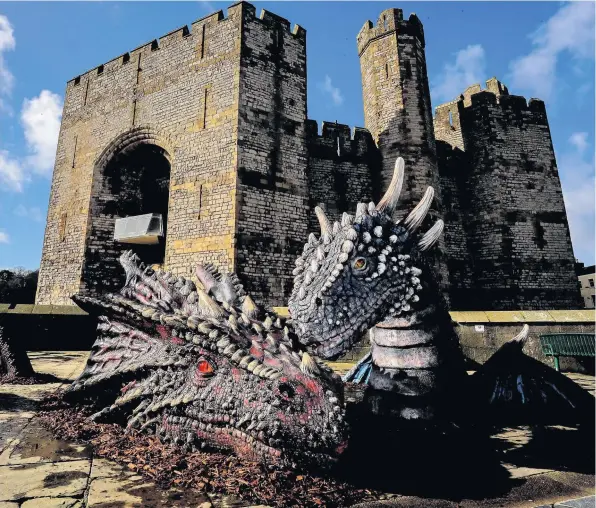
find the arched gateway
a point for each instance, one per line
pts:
(129, 206)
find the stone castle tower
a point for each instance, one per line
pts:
(208, 128)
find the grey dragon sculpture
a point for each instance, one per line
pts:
(204, 367)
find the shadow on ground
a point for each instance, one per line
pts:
(16, 403)
(458, 463)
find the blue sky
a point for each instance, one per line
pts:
(539, 49)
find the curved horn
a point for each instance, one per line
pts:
(323, 221)
(522, 336)
(431, 237)
(417, 215)
(391, 197)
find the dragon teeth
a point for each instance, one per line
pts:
(378, 231)
(371, 207)
(301, 293)
(381, 268)
(297, 270)
(314, 266)
(336, 227)
(366, 237)
(382, 258)
(343, 257)
(320, 253)
(393, 238)
(346, 219)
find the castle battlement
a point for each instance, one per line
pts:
(333, 130)
(495, 94)
(273, 21)
(389, 21)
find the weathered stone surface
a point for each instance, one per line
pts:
(53, 502)
(62, 479)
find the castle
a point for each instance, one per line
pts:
(208, 127)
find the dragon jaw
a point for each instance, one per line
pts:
(363, 271)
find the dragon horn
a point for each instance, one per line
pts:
(417, 215)
(522, 336)
(324, 222)
(431, 237)
(391, 197)
(205, 277)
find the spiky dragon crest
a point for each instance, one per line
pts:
(205, 368)
(362, 271)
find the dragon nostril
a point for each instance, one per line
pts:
(318, 302)
(286, 390)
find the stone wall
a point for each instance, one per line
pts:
(342, 169)
(510, 200)
(272, 157)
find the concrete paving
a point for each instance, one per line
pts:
(37, 470)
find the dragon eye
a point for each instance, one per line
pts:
(360, 264)
(204, 367)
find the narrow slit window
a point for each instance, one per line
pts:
(205, 99)
(408, 66)
(200, 200)
(139, 69)
(74, 151)
(450, 119)
(385, 22)
(86, 93)
(202, 42)
(100, 69)
(62, 228)
(386, 70)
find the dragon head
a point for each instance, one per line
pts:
(202, 369)
(364, 271)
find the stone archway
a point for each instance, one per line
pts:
(131, 178)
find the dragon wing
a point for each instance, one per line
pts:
(512, 388)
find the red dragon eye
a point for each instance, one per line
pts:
(204, 367)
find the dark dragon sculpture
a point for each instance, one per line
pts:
(204, 367)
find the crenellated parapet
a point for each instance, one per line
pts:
(337, 140)
(196, 29)
(389, 22)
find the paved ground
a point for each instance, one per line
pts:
(37, 470)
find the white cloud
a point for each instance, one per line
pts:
(570, 30)
(578, 183)
(12, 174)
(327, 87)
(579, 140)
(7, 43)
(40, 117)
(33, 213)
(4, 238)
(467, 70)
